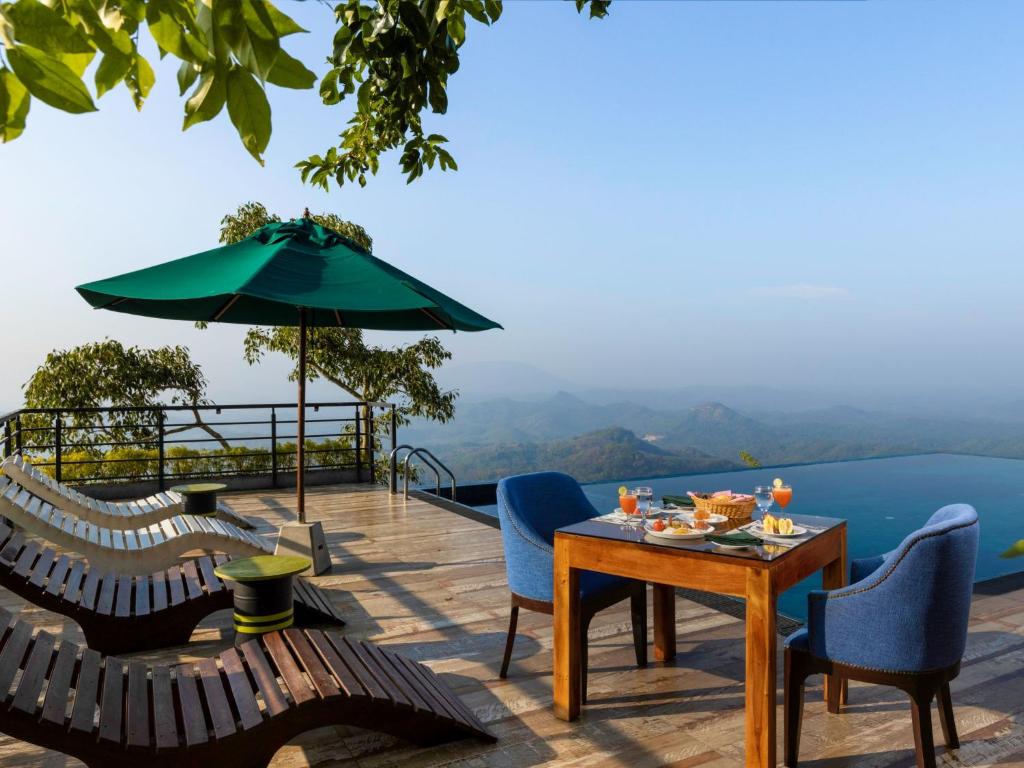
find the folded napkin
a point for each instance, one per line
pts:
(734, 539)
(678, 501)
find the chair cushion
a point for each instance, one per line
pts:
(592, 583)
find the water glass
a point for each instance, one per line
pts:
(763, 497)
(644, 499)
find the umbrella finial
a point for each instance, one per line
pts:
(305, 213)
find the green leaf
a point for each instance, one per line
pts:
(207, 99)
(41, 27)
(494, 9)
(1017, 550)
(140, 80)
(49, 80)
(187, 74)
(112, 70)
(289, 72)
(168, 24)
(249, 111)
(76, 62)
(284, 25)
(14, 104)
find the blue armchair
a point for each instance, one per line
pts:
(901, 622)
(530, 508)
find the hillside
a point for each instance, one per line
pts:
(601, 455)
(511, 435)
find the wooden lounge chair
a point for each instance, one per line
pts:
(110, 514)
(137, 552)
(236, 709)
(123, 613)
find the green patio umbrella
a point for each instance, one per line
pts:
(293, 273)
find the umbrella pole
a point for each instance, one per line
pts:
(300, 470)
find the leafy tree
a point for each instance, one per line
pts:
(395, 56)
(341, 355)
(107, 373)
(749, 460)
(1017, 550)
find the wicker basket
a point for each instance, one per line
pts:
(737, 510)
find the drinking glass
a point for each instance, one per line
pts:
(782, 495)
(763, 497)
(644, 498)
(627, 503)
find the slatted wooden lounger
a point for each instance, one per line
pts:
(234, 710)
(138, 552)
(111, 514)
(122, 614)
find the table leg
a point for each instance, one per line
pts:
(664, 622)
(833, 576)
(760, 670)
(567, 679)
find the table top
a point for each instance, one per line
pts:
(188, 488)
(767, 552)
(263, 567)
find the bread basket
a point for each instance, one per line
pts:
(737, 510)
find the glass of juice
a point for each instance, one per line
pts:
(782, 494)
(628, 503)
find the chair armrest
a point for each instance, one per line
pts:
(863, 567)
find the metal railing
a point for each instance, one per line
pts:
(155, 444)
(428, 458)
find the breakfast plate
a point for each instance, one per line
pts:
(670, 536)
(711, 518)
(757, 530)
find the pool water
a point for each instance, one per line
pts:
(882, 499)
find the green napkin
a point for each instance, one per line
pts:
(734, 538)
(679, 501)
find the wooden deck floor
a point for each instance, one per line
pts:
(432, 585)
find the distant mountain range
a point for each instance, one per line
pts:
(610, 440)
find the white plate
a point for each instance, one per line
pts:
(677, 536)
(757, 530)
(713, 518)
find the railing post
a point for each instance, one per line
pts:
(273, 447)
(7, 438)
(161, 473)
(369, 444)
(56, 448)
(359, 448)
(17, 432)
(394, 445)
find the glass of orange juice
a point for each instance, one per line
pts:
(782, 494)
(627, 503)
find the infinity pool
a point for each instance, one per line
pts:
(882, 500)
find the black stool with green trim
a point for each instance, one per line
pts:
(262, 592)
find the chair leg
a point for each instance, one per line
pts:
(793, 706)
(946, 718)
(510, 641)
(835, 695)
(921, 712)
(638, 613)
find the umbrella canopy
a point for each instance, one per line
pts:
(293, 273)
(284, 266)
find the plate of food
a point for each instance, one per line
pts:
(781, 527)
(711, 517)
(678, 530)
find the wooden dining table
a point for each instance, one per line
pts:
(758, 575)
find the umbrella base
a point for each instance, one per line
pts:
(305, 540)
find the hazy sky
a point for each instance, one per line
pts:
(809, 194)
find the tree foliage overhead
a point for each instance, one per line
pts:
(393, 56)
(106, 373)
(341, 355)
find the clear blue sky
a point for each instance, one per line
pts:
(815, 194)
